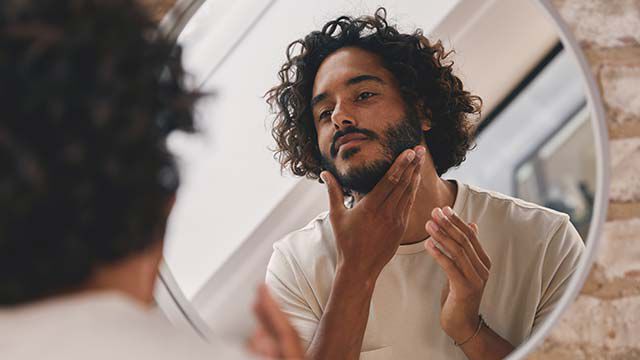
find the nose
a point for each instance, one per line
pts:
(342, 117)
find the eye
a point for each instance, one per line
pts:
(324, 114)
(365, 95)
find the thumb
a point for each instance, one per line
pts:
(336, 196)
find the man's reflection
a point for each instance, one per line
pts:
(418, 266)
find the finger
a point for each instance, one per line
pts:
(404, 188)
(448, 266)
(472, 235)
(409, 197)
(336, 195)
(447, 226)
(268, 333)
(390, 179)
(456, 253)
(278, 325)
(262, 344)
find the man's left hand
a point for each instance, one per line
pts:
(466, 266)
(274, 337)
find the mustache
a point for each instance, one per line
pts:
(350, 130)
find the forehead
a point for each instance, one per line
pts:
(345, 64)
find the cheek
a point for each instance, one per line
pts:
(379, 118)
(325, 137)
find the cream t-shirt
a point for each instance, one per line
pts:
(534, 251)
(100, 326)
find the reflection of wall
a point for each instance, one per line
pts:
(529, 120)
(604, 323)
(561, 173)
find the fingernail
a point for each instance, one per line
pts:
(438, 213)
(430, 243)
(411, 155)
(448, 211)
(322, 176)
(432, 225)
(421, 151)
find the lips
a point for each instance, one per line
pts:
(349, 137)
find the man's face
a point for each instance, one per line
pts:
(361, 119)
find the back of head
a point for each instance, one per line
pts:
(89, 94)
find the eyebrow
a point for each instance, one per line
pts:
(355, 80)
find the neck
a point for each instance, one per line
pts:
(432, 192)
(133, 276)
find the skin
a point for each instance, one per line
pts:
(135, 276)
(353, 89)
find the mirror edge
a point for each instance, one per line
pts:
(601, 199)
(172, 301)
(175, 20)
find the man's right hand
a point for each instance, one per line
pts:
(368, 235)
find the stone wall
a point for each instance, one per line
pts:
(604, 322)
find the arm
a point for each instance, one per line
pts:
(380, 218)
(467, 270)
(487, 345)
(561, 259)
(348, 303)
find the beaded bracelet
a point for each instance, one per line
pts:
(474, 334)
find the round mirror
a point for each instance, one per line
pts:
(538, 152)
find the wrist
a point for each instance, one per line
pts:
(469, 333)
(356, 278)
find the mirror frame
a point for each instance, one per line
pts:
(180, 311)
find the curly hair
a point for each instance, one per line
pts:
(422, 69)
(90, 92)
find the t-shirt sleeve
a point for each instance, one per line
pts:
(284, 280)
(561, 259)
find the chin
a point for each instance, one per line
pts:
(361, 169)
(349, 159)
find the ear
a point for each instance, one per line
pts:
(424, 115)
(169, 204)
(426, 125)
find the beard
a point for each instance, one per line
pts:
(406, 135)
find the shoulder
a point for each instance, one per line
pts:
(513, 210)
(178, 343)
(315, 239)
(532, 225)
(308, 253)
(105, 326)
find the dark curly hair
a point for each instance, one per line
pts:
(90, 91)
(422, 69)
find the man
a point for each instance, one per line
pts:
(89, 96)
(417, 267)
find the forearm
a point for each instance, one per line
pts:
(487, 345)
(341, 329)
